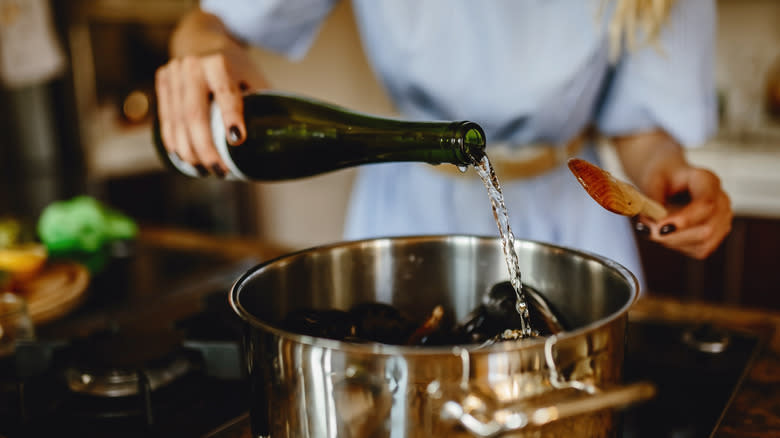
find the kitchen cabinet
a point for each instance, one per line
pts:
(743, 271)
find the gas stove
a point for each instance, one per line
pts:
(163, 357)
(154, 351)
(184, 381)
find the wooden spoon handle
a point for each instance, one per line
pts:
(649, 207)
(654, 210)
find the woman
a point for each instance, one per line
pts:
(535, 75)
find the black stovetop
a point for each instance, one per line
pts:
(696, 370)
(695, 382)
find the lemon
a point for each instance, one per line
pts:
(22, 260)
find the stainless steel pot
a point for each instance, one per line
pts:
(562, 385)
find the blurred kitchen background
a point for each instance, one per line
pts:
(82, 125)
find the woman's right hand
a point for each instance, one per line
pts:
(185, 88)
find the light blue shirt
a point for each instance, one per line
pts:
(527, 71)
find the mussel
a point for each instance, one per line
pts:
(494, 320)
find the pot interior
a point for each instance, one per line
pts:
(415, 274)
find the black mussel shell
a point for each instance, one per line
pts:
(501, 301)
(326, 323)
(381, 322)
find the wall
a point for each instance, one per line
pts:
(748, 46)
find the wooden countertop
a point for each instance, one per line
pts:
(754, 412)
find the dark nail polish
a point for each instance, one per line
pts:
(642, 229)
(668, 228)
(202, 171)
(234, 135)
(218, 170)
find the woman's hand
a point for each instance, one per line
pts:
(698, 227)
(207, 64)
(658, 166)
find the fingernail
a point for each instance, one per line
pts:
(234, 134)
(666, 229)
(218, 170)
(202, 171)
(642, 229)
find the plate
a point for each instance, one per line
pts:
(55, 291)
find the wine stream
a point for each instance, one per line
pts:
(488, 175)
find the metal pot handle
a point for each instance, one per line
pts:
(516, 417)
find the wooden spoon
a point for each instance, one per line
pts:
(616, 196)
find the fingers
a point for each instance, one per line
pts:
(171, 88)
(181, 138)
(164, 111)
(699, 227)
(185, 88)
(195, 117)
(227, 95)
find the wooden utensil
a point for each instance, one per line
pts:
(616, 196)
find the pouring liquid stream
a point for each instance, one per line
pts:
(488, 175)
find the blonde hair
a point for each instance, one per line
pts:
(632, 17)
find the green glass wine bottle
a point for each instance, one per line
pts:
(290, 137)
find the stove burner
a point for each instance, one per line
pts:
(125, 382)
(707, 339)
(120, 364)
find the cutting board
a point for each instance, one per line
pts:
(59, 288)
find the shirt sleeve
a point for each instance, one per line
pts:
(283, 26)
(672, 88)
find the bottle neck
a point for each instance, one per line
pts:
(470, 140)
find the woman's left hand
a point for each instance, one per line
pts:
(698, 227)
(657, 164)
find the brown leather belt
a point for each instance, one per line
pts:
(527, 161)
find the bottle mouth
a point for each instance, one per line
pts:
(472, 141)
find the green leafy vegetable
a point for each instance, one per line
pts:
(82, 224)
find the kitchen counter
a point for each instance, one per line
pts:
(748, 171)
(754, 411)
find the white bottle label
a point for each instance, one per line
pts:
(183, 166)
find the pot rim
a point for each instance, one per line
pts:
(393, 350)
